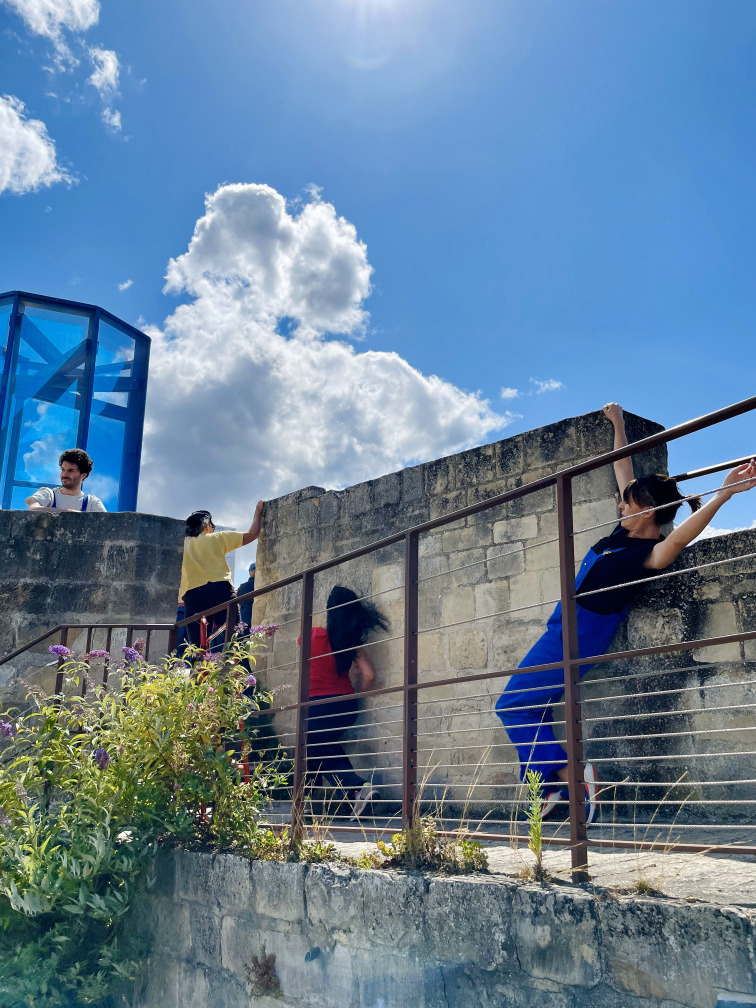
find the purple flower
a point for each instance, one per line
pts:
(131, 654)
(101, 757)
(265, 631)
(240, 628)
(250, 681)
(7, 730)
(99, 654)
(4, 820)
(60, 650)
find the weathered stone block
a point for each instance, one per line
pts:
(512, 530)
(505, 561)
(458, 605)
(279, 894)
(717, 620)
(470, 537)
(387, 577)
(557, 936)
(476, 466)
(492, 597)
(468, 648)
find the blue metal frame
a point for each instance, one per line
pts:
(134, 423)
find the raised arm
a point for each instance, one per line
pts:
(34, 505)
(254, 529)
(623, 470)
(664, 553)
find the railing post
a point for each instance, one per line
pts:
(409, 717)
(572, 715)
(106, 666)
(61, 660)
(229, 625)
(300, 743)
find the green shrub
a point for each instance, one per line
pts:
(422, 848)
(89, 786)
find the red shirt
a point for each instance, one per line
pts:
(324, 679)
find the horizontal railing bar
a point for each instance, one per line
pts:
(667, 756)
(668, 713)
(498, 556)
(83, 626)
(546, 667)
(710, 470)
(658, 507)
(384, 591)
(667, 574)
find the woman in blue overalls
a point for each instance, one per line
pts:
(635, 549)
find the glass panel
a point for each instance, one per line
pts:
(6, 306)
(43, 414)
(114, 383)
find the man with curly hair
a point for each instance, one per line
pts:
(75, 466)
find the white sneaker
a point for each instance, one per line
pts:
(591, 791)
(366, 793)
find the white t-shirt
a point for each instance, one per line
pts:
(60, 501)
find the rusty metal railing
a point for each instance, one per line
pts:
(407, 698)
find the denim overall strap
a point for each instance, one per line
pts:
(85, 502)
(525, 706)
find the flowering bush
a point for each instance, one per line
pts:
(91, 786)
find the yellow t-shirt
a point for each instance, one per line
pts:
(205, 558)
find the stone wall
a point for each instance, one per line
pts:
(469, 570)
(473, 571)
(82, 568)
(345, 938)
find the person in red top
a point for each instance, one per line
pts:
(337, 664)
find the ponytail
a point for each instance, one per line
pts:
(196, 522)
(656, 490)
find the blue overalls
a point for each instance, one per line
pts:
(83, 503)
(525, 706)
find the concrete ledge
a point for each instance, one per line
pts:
(346, 938)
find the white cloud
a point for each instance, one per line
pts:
(709, 532)
(549, 385)
(112, 119)
(509, 393)
(240, 406)
(125, 285)
(50, 18)
(104, 77)
(28, 159)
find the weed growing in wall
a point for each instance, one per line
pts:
(422, 848)
(90, 786)
(534, 815)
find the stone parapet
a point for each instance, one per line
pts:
(83, 568)
(345, 937)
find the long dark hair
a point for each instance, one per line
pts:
(651, 491)
(196, 522)
(348, 624)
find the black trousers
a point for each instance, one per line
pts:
(196, 600)
(325, 725)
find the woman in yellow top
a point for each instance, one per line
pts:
(205, 574)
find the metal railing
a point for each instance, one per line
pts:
(406, 702)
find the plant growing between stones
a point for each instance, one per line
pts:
(422, 848)
(261, 974)
(89, 786)
(534, 815)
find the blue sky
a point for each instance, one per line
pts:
(556, 192)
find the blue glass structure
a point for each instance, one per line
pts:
(73, 376)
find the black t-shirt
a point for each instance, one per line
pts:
(621, 559)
